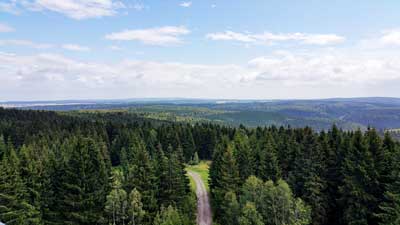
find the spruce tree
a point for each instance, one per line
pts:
(14, 201)
(2, 147)
(230, 209)
(390, 207)
(267, 165)
(359, 176)
(224, 174)
(243, 155)
(141, 176)
(84, 184)
(389, 213)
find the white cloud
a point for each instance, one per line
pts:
(168, 35)
(75, 9)
(213, 6)
(391, 37)
(42, 46)
(115, 48)
(270, 38)
(138, 6)
(9, 7)
(25, 43)
(74, 47)
(231, 36)
(4, 28)
(186, 4)
(317, 73)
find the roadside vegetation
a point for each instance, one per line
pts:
(203, 170)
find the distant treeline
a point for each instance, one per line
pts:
(120, 168)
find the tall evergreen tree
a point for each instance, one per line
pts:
(230, 209)
(267, 160)
(141, 175)
(359, 176)
(84, 184)
(2, 146)
(389, 213)
(243, 155)
(14, 202)
(224, 174)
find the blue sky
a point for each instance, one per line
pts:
(79, 49)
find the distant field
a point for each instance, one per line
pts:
(202, 168)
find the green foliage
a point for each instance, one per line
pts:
(117, 200)
(203, 170)
(244, 155)
(14, 199)
(275, 202)
(250, 216)
(141, 175)
(84, 184)
(267, 160)
(2, 147)
(135, 210)
(195, 159)
(224, 175)
(359, 178)
(230, 208)
(55, 169)
(168, 216)
(390, 207)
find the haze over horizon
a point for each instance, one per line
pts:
(119, 49)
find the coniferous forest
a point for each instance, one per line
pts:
(120, 168)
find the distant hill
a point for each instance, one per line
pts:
(348, 113)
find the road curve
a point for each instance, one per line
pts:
(203, 204)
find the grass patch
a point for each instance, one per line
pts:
(202, 169)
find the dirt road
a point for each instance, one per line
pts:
(203, 203)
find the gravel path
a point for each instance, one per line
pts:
(203, 203)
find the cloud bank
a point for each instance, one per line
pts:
(4, 28)
(312, 74)
(168, 35)
(270, 38)
(75, 9)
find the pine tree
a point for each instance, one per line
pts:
(195, 160)
(359, 175)
(187, 143)
(2, 147)
(243, 155)
(390, 206)
(307, 176)
(141, 175)
(332, 175)
(224, 175)
(14, 204)
(268, 165)
(230, 209)
(84, 184)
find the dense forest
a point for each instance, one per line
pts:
(120, 168)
